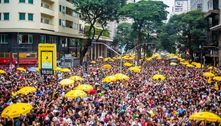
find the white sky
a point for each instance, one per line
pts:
(170, 3)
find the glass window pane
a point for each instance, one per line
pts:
(30, 17)
(21, 1)
(6, 16)
(30, 39)
(21, 16)
(30, 1)
(6, 1)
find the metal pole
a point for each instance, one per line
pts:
(18, 50)
(121, 62)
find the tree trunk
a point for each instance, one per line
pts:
(138, 48)
(88, 44)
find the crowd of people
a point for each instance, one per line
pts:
(140, 101)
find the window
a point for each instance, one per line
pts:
(21, 16)
(30, 1)
(42, 39)
(3, 39)
(25, 39)
(52, 39)
(21, 1)
(6, 1)
(60, 8)
(0, 1)
(75, 26)
(60, 22)
(30, 17)
(6, 16)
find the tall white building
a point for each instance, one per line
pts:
(181, 6)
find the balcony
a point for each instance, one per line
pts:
(213, 8)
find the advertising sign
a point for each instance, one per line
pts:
(47, 55)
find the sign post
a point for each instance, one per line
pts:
(47, 57)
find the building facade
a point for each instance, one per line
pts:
(213, 17)
(25, 23)
(199, 5)
(181, 6)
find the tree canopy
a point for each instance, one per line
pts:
(97, 11)
(185, 29)
(147, 16)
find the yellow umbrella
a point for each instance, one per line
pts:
(205, 116)
(21, 69)
(120, 76)
(93, 62)
(58, 69)
(26, 90)
(109, 79)
(149, 59)
(107, 66)
(158, 77)
(217, 78)
(76, 78)
(16, 110)
(190, 65)
(66, 82)
(84, 87)
(135, 69)
(65, 70)
(208, 74)
(75, 94)
(128, 64)
(2, 72)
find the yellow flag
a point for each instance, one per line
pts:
(216, 86)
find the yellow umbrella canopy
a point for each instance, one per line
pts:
(75, 94)
(149, 59)
(93, 62)
(205, 116)
(128, 64)
(84, 87)
(66, 82)
(135, 69)
(65, 70)
(158, 77)
(190, 65)
(26, 90)
(106, 66)
(120, 76)
(21, 69)
(2, 72)
(217, 78)
(109, 79)
(16, 110)
(76, 78)
(58, 69)
(208, 74)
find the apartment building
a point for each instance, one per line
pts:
(212, 46)
(25, 23)
(181, 6)
(199, 5)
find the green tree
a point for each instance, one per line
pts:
(96, 11)
(124, 35)
(147, 15)
(185, 29)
